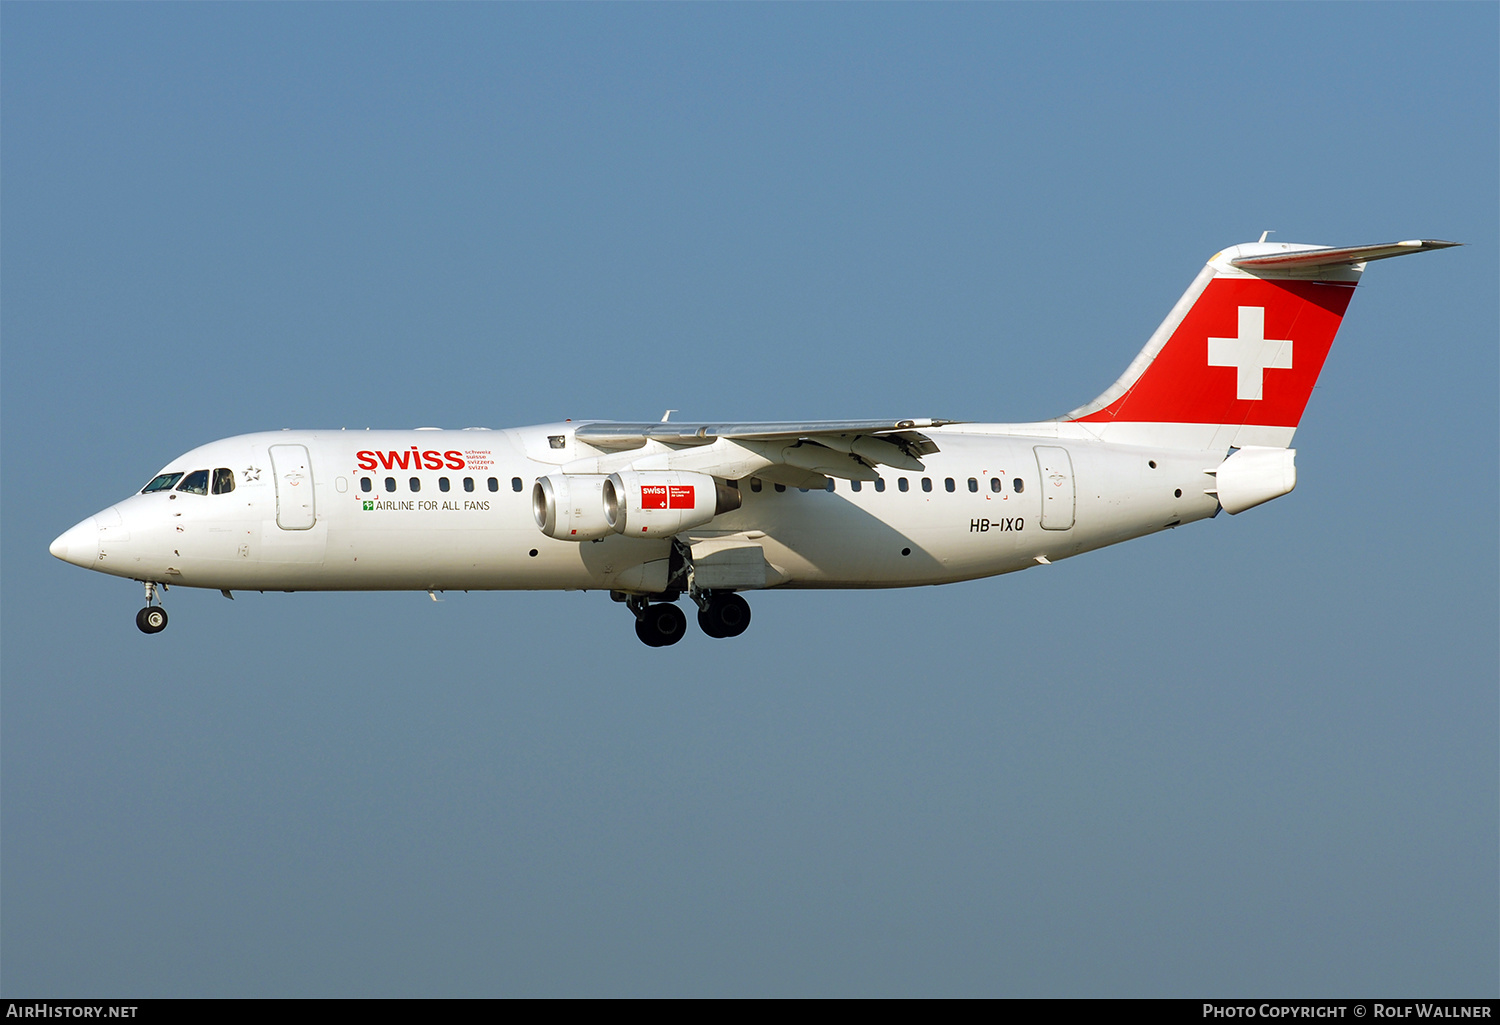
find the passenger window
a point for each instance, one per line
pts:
(164, 482)
(879, 483)
(948, 483)
(926, 483)
(755, 484)
(902, 485)
(781, 487)
(494, 484)
(223, 480)
(1019, 485)
(973, 484)
(365, 484)
(854, 485)
(468, 483)
(515, 483)
(416, 483)
(557, 440)
(995, 485)
(390, 483)
(830, 485)
(195, 483)
(442, 483)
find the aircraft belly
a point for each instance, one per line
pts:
(886, 541)
(416, 556)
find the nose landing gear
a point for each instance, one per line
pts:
(153, 618)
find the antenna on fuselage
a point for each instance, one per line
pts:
(667, 415)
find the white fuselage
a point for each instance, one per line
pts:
(465, 519)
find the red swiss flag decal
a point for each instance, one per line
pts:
(1249, 351)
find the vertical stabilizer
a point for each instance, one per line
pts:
(1235, 362)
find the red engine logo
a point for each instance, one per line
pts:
(667, 496)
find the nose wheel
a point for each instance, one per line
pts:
(153, 618)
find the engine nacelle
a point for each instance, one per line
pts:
(662, 503)
(570, 507)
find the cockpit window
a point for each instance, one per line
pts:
(223, 480)
(163, 482)
(195, 483)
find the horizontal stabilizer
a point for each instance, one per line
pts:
(1312, 259)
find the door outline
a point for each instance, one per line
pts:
(1059, 498)
(291, 468)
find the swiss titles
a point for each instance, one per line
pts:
(411, 459)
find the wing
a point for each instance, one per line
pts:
(801, 454)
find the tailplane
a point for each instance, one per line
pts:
(1234, 363)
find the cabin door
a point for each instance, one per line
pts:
(292, 470)
(1057, 487)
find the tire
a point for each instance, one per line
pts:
(661, 625)
(709, 623)
(727, 615)
(152, 619)
(647, 633)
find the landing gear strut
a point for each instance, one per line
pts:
(657, 625)
(153, 618)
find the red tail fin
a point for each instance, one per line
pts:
(1243, 347)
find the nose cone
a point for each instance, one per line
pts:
(78, 545)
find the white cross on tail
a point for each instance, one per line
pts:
(1252, 353)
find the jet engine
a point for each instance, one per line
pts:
(662, 503)
(570, 507)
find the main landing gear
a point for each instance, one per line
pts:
(723, 614)
(153, 618)
(660, 625)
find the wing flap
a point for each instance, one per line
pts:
(793, 453)
(633, 435)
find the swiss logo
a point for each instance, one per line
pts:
(667, 496)
(1251, 353)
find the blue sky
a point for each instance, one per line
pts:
(1253, 756)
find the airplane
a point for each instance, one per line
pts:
(1200, 422)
